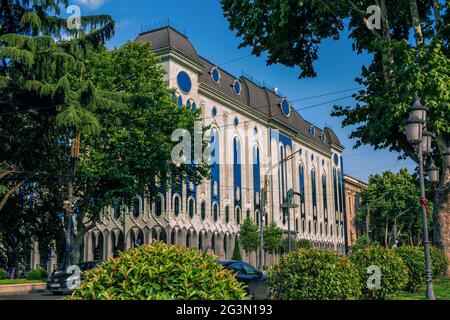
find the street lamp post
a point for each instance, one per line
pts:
(420, 139)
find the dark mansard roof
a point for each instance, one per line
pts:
(261, 99)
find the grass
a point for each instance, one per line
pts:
(441, 288)
(20, 281)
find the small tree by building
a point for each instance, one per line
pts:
(273, 238)
(249, 236)
(237, 250)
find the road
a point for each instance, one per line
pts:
(33, 296)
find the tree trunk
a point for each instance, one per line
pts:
(444, 222)
(418, 35)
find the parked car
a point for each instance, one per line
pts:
(59, 282)
(255, 280)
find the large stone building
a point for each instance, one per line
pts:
(353, 189)
(253, 128)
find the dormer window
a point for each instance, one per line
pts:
(285, 108)
(312, 131)
(215, 75)
(237, 88)
(323, 138)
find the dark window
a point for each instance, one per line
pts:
(203, 210)
(238, 215)
(215, 75)
(158, 206)
(136, 209)
(214, 111)
(191, 208)
(216, 212)
(176, 205)
(117, 212)
(227, 214)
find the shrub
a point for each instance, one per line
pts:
(160, 272)
(37, 274)
(3, 274)
(394, 273)
(439, 262)
(414, 259)
(305, 244)
(311, 274)
(361, 243)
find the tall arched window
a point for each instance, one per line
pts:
(136, 207)
(238, 215)
(314, 196)
(176, 205)
(325, 198)
(237, 172)
(302, 190)
(336, 199)
(215, 212)
(227, 214)
(158, 205)
(191, 208)
(203, 210)
(117, 211)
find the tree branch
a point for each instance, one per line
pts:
(10, 193)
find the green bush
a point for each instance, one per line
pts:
(439, 262)
(37, 274)
(304, 244)
(311, 274)
(414, 259)
(160, 272)
(3, 274)
(361, 243)
(394, 273)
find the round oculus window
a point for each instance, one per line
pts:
(237, 87)
(285, 108)
(184, 82)
(215, 75)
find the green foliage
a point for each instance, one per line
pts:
(414, 259)
(311, 274)
(361, 243)
(3, 274)
(160, 272)
(237, 250)
(439, 262)
(395, 212)
(249, 235)
(37, 274)
(394, 273)
(295, 245)
(273, 238)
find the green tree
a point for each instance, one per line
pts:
(290, 32)
(394, 208)
(273, 238)
(249, 235)
(42, 104)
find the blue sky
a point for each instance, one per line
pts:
(208, 30)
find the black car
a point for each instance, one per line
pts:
(255, 280)
(63, 282)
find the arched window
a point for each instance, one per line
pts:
(188, 240)
(335, 192)
(136, 207)
(159, 205)
(247, 214)
(191, 208)
(203, 210)
(302, 190)
(176, 205)
(227, 214)
(117, 211)
(238, 215)
(314, 192)
(215, 212)
(325, 195)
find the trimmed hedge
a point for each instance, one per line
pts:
(414, 259)
(311, 274)
(3, 274)
(37, 274)
(160, 272)
(439, 262)
(394, 273)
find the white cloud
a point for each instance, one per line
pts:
(93, 4)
